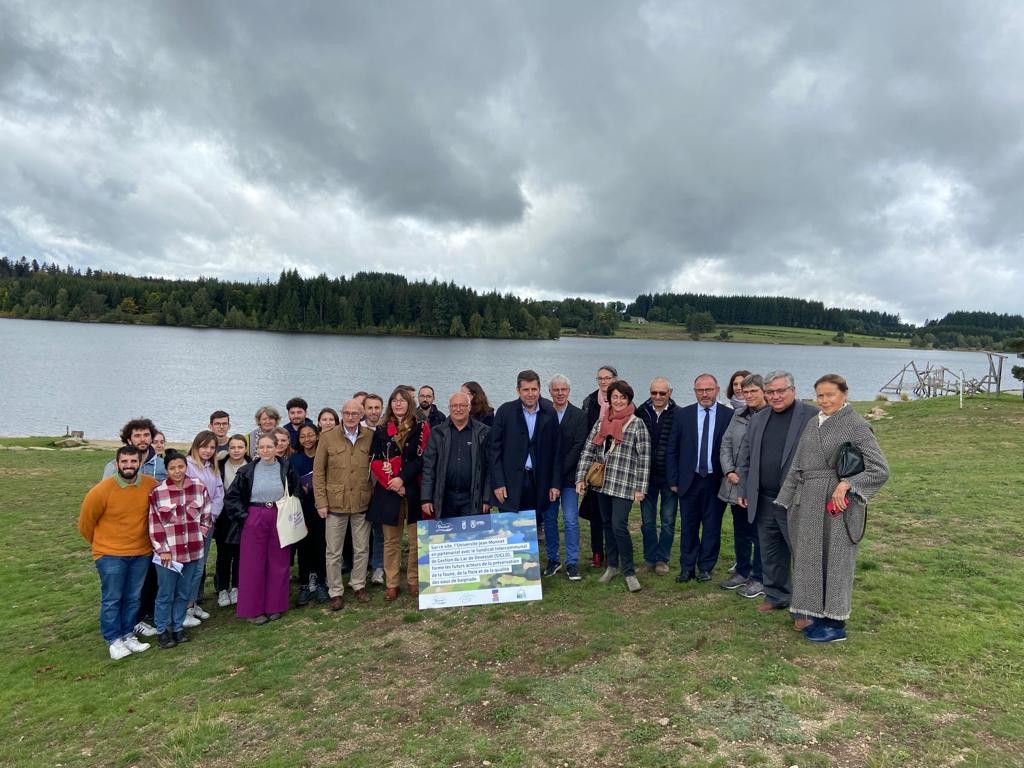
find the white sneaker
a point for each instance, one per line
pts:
(378, 576)
(190, 621)
(223, 599)
(199, 613)
(234, 595)
(144, 629)
(132, 644)
(118, 650)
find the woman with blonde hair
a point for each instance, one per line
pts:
(396, 463)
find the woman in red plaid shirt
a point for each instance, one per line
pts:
(180, 516)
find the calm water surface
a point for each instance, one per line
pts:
(95, 377)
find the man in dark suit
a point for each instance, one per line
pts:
(524, 450)
(764, 460)
(694, 472)
(572, 429)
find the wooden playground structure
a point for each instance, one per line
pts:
(938, 380)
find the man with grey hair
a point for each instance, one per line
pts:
(657, 414)
(695, 472)
(572, 427)
(767, 451)
(455, 464)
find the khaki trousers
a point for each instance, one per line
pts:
(337, 524)
(393, 553)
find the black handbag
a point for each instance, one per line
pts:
(848, 460)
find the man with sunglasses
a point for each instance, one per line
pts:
(657, 414)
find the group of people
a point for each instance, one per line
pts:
(368, 474)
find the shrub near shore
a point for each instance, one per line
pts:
(672, 676)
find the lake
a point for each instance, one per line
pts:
(94, 377)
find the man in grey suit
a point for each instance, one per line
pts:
(768, 449)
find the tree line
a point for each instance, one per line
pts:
(382, 303)
(366, 303)
(694, 308)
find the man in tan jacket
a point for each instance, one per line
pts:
(341, 489)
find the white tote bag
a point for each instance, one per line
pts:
(291, 525)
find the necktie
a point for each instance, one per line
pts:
(703, 460)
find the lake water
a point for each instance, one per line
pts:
(95, 377)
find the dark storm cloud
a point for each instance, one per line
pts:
(867, 155)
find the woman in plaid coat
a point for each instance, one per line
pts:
(620, 441)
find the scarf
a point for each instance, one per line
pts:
(399, 432)
(602, 401)
(611, 425)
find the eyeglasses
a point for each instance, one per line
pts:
(658, 393)
(751, 391)
(606, 378)
(704, 391)
(351, 413)
(776, 392)
(455, 406)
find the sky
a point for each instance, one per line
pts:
(869, 155)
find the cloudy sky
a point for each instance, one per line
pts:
(867, 154)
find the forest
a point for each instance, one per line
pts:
(382, 303)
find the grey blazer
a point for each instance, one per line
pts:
(749, 469)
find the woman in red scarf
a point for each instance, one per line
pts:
(619, 440)
(396, 463)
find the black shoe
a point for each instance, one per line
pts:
(166, 640)
(180, 636)
(684, 577)
(322, 595)
(553, 567)
(704, 576)
(304, 597)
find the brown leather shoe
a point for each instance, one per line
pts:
(414, 590)
(801, 624)
(767, 607)
(337, 603)
(362, 595)
(391, 594)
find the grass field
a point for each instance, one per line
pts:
(760, 334)
(677, 675)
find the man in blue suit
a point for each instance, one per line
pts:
(524, 449)
(694, 472)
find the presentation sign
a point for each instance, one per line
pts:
(479, 560)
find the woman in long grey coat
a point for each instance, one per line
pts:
(827, 513)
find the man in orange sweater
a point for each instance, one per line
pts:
(114, 521)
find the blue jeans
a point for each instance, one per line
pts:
(657, 548)
(174, 593)
(120, 586)
(571, 515)
(202, 568)
(377, 548)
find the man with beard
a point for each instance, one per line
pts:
(427, 411)
(114, 521)
(139, 434)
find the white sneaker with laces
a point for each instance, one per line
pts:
(234, 595)
(378, 576)
(223, 599)
(118, 650)
(144, 629)
(190, 621)
(199, 613)
(133, 644)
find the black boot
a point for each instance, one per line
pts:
(166, 640)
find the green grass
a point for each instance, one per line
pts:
(759, 334)
(674, 676)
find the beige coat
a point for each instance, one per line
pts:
(341, 471)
